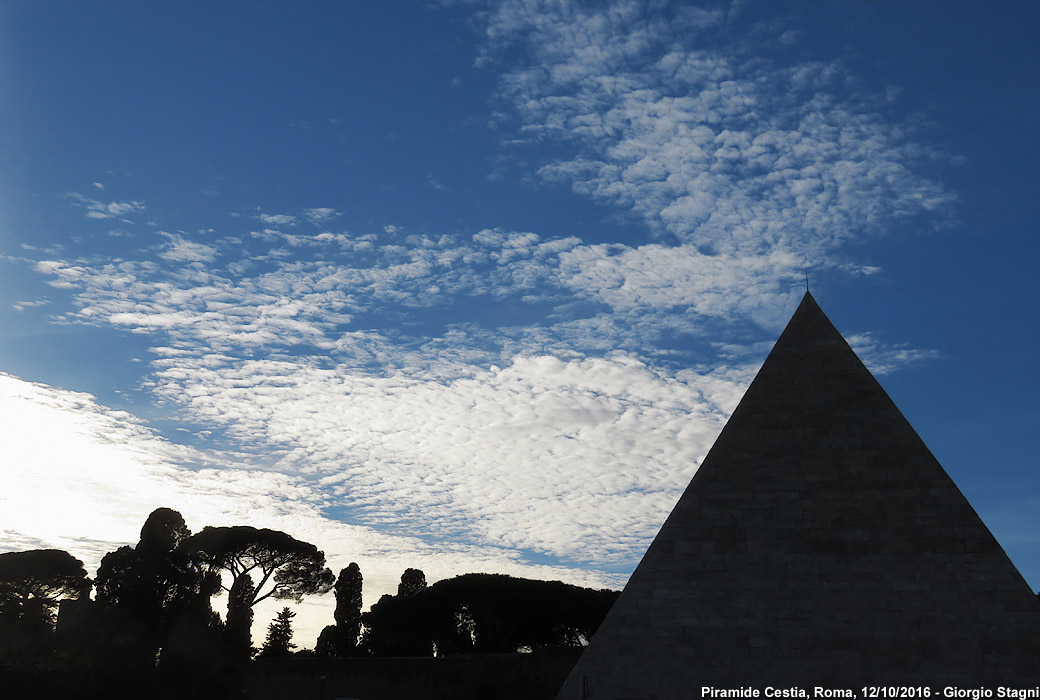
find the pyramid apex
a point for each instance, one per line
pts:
(807, 303)
(808, 307)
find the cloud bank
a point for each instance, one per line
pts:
(527, 437)
(675, 115)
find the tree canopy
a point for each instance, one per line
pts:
(412, 581)
(162, 532)
(155, 581)
(279, 635)
(341, 638)
(292, 568)
(39, 578)
(485, 613)
(32, 583)
(284, 568)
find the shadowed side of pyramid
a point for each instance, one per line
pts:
(819, 544)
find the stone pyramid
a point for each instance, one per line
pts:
(819, 544)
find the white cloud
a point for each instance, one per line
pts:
(102, 210)
(658, 278)
(277, 219)
(199, 306)
(23, 305)
(426, 426)
(320, 215)
(589, 298)
(668, 115)
(179, 250)
(884, 358)
(580, 459)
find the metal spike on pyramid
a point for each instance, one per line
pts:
(819, 544)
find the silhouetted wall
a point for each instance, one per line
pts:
(534, 676)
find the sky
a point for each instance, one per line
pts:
(473, 286)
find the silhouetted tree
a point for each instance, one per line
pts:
(287, 569)
(240, 614)
(398, 626)
(156, 583)
(348, 601)
(162, 532)
(412, 581)
(485, 613)
(32, 583)
(279, 635)
(341, 638)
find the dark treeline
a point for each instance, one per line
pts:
(146, 626)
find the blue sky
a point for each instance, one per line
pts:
(473, 286)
